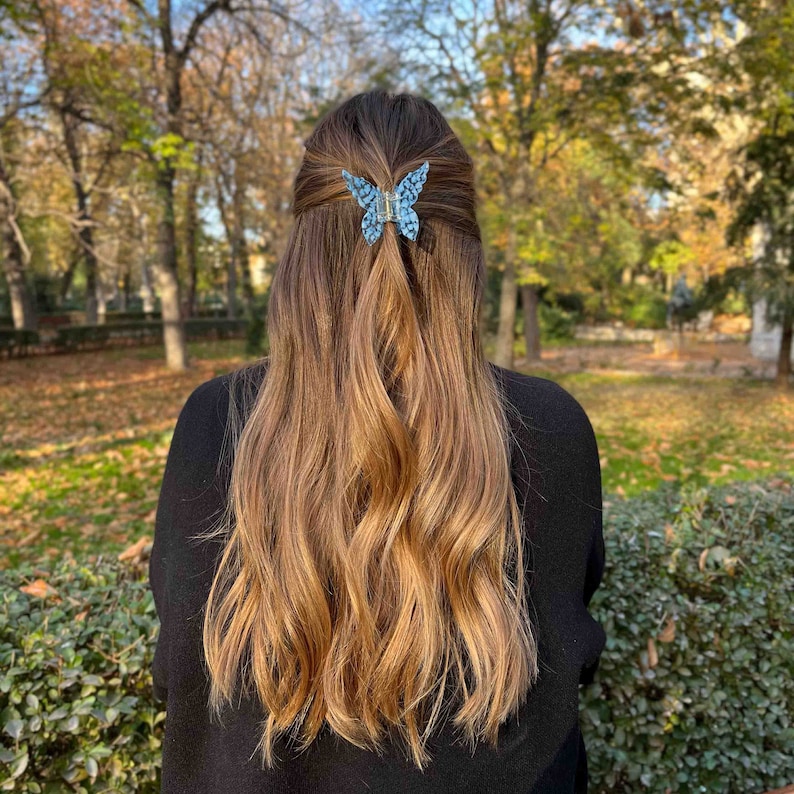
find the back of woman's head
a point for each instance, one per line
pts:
(373, 573)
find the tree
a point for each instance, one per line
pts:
(174, 57)
(19, 92)
(250, 108)
(757, 83)
(587, 229)
(763, 192)
(171, 147)
(530, 77)
(65, 54)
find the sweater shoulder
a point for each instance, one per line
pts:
(554, 433)
(544, 404)
(207, 406)
(196, 455)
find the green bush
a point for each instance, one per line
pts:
(716, 713)
(712, 713)
(735, 302)
(555, 323)
(641, 306)
(17, 341)
(76, 706)
(82, 337)
(112, 317)
(572, 302)
(256, 341)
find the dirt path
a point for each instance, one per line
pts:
(696, 359)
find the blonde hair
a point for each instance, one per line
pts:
(373, 557)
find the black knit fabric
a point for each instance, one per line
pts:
(557, 479)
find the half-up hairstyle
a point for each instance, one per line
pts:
(373, 571)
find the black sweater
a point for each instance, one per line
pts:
(557, 478)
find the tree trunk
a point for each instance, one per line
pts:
(231, 289)
(67, 277)
(126, 289)
(191, 239)
(167, 276)
(233, 224)
(84, 232)
(507, 305)
(102, 305)
(23, 309)
(147, 293)
(238, 244)
(784, 354)
(529, 303)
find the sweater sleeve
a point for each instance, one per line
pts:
(573, 451)
(596, 556)
(184, 496)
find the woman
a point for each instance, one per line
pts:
(374, 549)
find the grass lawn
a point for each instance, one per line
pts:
(84, 438)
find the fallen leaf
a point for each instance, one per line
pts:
(136, 550)
(653, 657)
(29, 538)
(667, 634)
(39, 588)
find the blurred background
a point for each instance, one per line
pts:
(635, 168)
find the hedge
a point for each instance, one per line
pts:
(17, 342)
(202, 312)
(76, 705)
(81, 337)
(695, 688)
(704, 574)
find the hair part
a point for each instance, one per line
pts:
(373, 570)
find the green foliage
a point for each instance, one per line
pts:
(571, 302)
(671, 257)
(724, 293)
(734, 302)
(174, 150)
(761, 185)
(76, 705)
(555, 322)
(641, 306)
(17, 342)
(45, 290)
(715, 712)
(761, 191)
(256, 342)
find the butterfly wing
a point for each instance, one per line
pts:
(409, 223)
(409, 189)
(366, 194)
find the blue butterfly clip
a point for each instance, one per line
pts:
(381, 207)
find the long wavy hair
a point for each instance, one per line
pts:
(373, 559)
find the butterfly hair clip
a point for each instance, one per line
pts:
(385, 206)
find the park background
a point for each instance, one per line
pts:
(635, 168)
